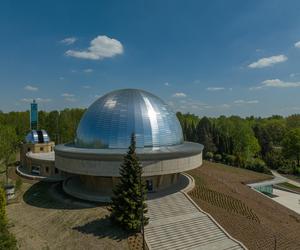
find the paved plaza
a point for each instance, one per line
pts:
(287, 199)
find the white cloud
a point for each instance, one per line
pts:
(292, 75)
(214, 88)
(61, 78)
(69, 40)
(88, 70)
(167, 84)
(70, 99)
(26, 100)
(268, 61)
(246, 102)
(276, 83)
(225, 106)
(67, 95)
(43, 99)
(100, 47)
(31, 88)
(86, 86)
(297, 44)
(37, 99)
(180, 94)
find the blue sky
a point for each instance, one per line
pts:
(205, 57)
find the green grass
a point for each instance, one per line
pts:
(289, 186)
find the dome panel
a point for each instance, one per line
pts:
(110, 121)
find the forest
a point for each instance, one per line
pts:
(254, 143)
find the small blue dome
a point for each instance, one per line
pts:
(37, 136)
(110, 121)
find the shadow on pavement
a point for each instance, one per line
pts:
(51, 196)
(102, 228)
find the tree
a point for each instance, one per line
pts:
(7, 240)
(276, 129)
(3, 221)
(293, 121)
(128, 201)
(291, 145)
(205, 135)
(264, 139)
(225, 131)
(8, 145)
(245, 144)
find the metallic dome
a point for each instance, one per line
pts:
(110, 121)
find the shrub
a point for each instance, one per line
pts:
(209, 156)
(287, 167)
(7, 240)
(229, 159)
(218, 157)
(257, 165)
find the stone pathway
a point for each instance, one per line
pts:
(176, 223)
(295, 183)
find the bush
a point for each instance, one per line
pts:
(209, 156)
(218, 157)
(257, 165)
(288, 167)
(7, 240)
(229, 159)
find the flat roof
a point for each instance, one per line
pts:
(49, 156)
(185, 149)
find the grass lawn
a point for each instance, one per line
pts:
(245, 214)
(289, 186)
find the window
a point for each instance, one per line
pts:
(47, 169)
(35, 170)
(41, 149)
(149, 185)
(56, 171)
(28, 149)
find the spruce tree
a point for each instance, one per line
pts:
(128, 201)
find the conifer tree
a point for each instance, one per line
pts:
(128, 201)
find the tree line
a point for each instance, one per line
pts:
(253, 143)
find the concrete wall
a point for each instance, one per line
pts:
(34, 148)
(106, 184)
(47, 168)
(111, 168)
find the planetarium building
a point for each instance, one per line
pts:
(92, 162)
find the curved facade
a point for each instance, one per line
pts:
(110, 121)
(92, 162)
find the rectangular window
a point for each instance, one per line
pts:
(41, 149)
(56, 171)
(149, 185)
